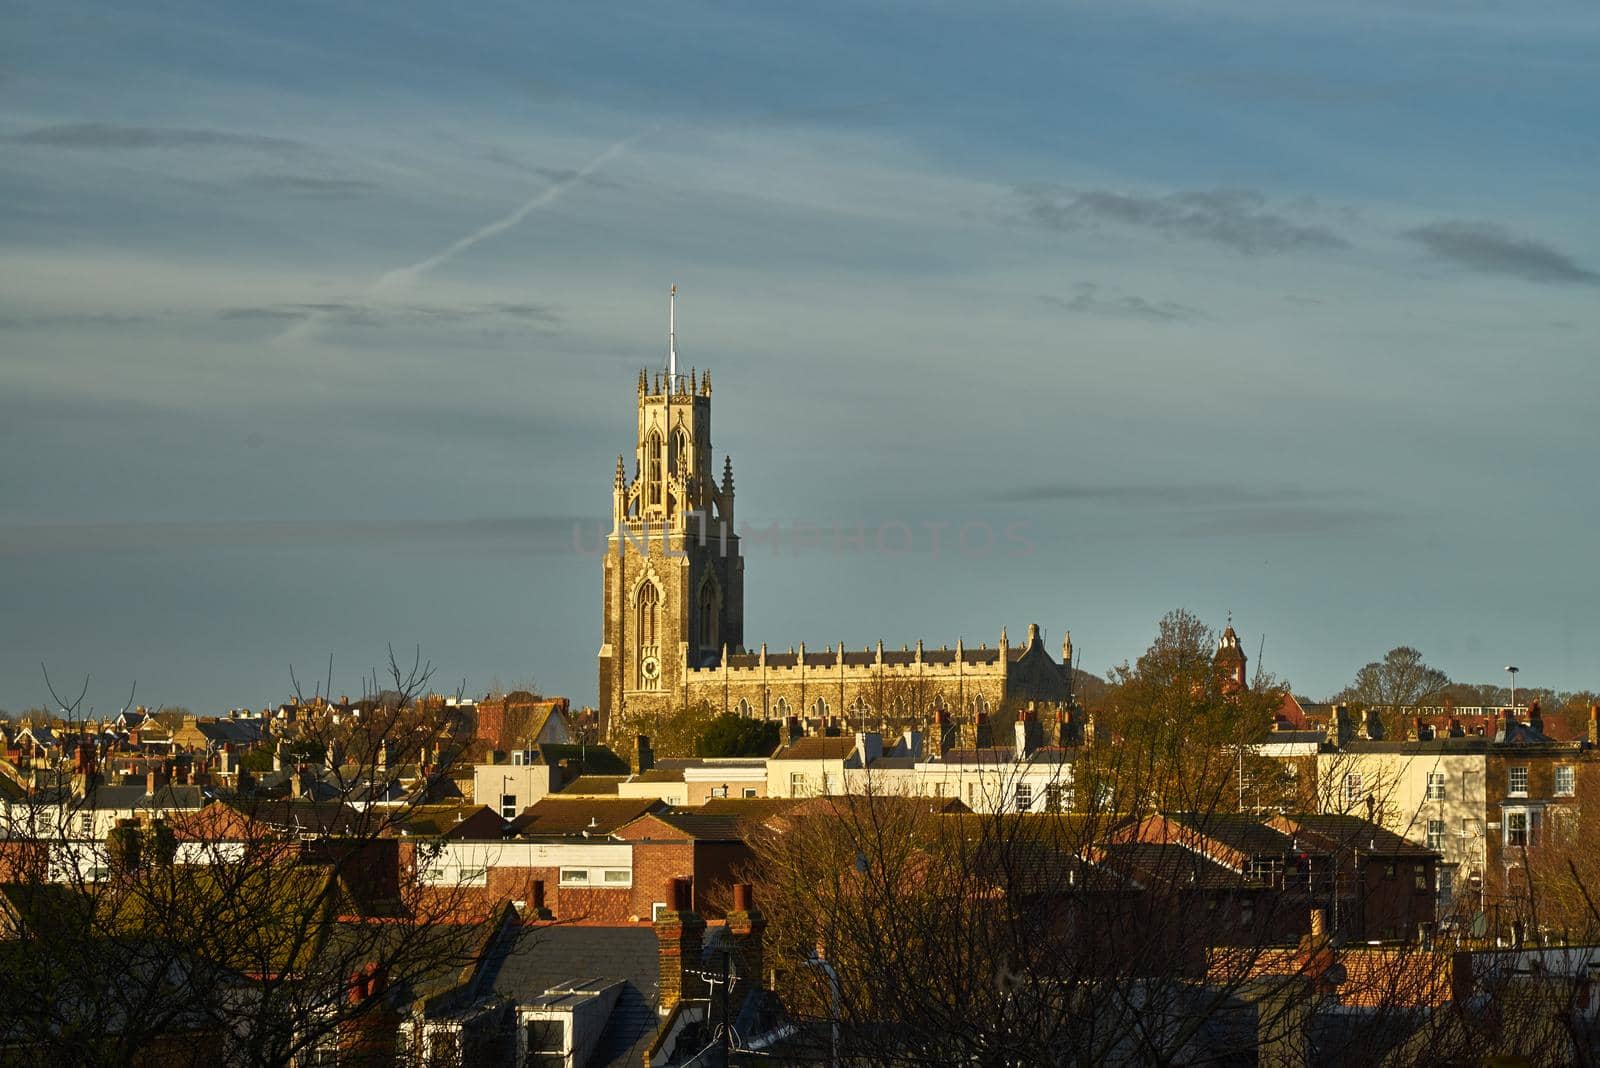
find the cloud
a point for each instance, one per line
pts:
(30, 321)
(519, 535)
(1249, 522)
(1240, 219)
(1087, 298)
(109, 135)
(1492, 249)
(310, 185)
(385, 314)
(1152, 495)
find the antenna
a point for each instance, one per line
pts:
(672, 339)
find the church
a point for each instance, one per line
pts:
(674, 627)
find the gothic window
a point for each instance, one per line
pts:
(860, 707)
(819, 708)
(648, 620)
(781, 708)
(653, 462)
(980, 705)
(743, 707)
(938, 702)
(678, 461)
(708, 616)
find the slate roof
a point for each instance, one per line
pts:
(548, 958)
(814, 748)
(102, 798)
(1171, 864)
(703, 826)
(1247, 834)
(1352, 832)
(594, 784)
(564, 815)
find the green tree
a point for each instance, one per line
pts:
(731, 735)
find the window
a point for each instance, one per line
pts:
(547, 1042)
(941, 789)
(1352, 788)
(653, 460)
(86, 824)
(618, 877)
(1517, 781)
(1024, 796)
(1517, 829)
(1436, 834)
(749, 791)
(720, 791)
(797, 784)
(1052, 798)
(646, 621)
(1444, 880)
(1267, 869)
(656, 909)
(1566, 784)
(508, 806)
(708, 616)
(819, 708)
(743, 707)
(1420, 877)
(1435, 786)
(972, 795)
(574, 876)
(473, 877)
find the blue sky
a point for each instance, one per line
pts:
(319, 327)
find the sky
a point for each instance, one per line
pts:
(320, 325)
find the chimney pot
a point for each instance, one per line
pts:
(742, 897)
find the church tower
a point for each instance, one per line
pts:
(674, 579)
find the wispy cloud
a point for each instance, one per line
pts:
(387, 314)
(37, 320)
(401, 278)
(310, 185)
(1255, 522)
(1240, 219)
(1154, 495)
(107, 135)
(1492, 249)
(1089, 299)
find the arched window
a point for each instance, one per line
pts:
(653, 467)
(743, 707)
(980, 705)
(678, 460)
(819, 708)
(938, 702)
(647, 620)
(781, 708)
(708, 616)
(859, 707)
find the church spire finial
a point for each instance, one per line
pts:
(672, 337)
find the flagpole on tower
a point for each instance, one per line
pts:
(672, 339)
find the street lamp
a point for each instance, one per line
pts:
(1512, 669)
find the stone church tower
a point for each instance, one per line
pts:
(674, 579)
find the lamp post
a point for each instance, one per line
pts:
(1512, 669)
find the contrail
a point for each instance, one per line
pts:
(400, 278)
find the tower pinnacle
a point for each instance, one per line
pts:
(672, 337)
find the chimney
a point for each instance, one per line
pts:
(982, 732)
(869, 746)
(1594, 725)
(911, 742)
(1535, 717)
(297, 781)
(680, 933)
(746, 926)
(370, 1036)
(1029, 731)
(944, 738)
(795, 731)
(227, 761)
(154, 781)
(1319, 925)
(644, 758)
(1339, 729)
